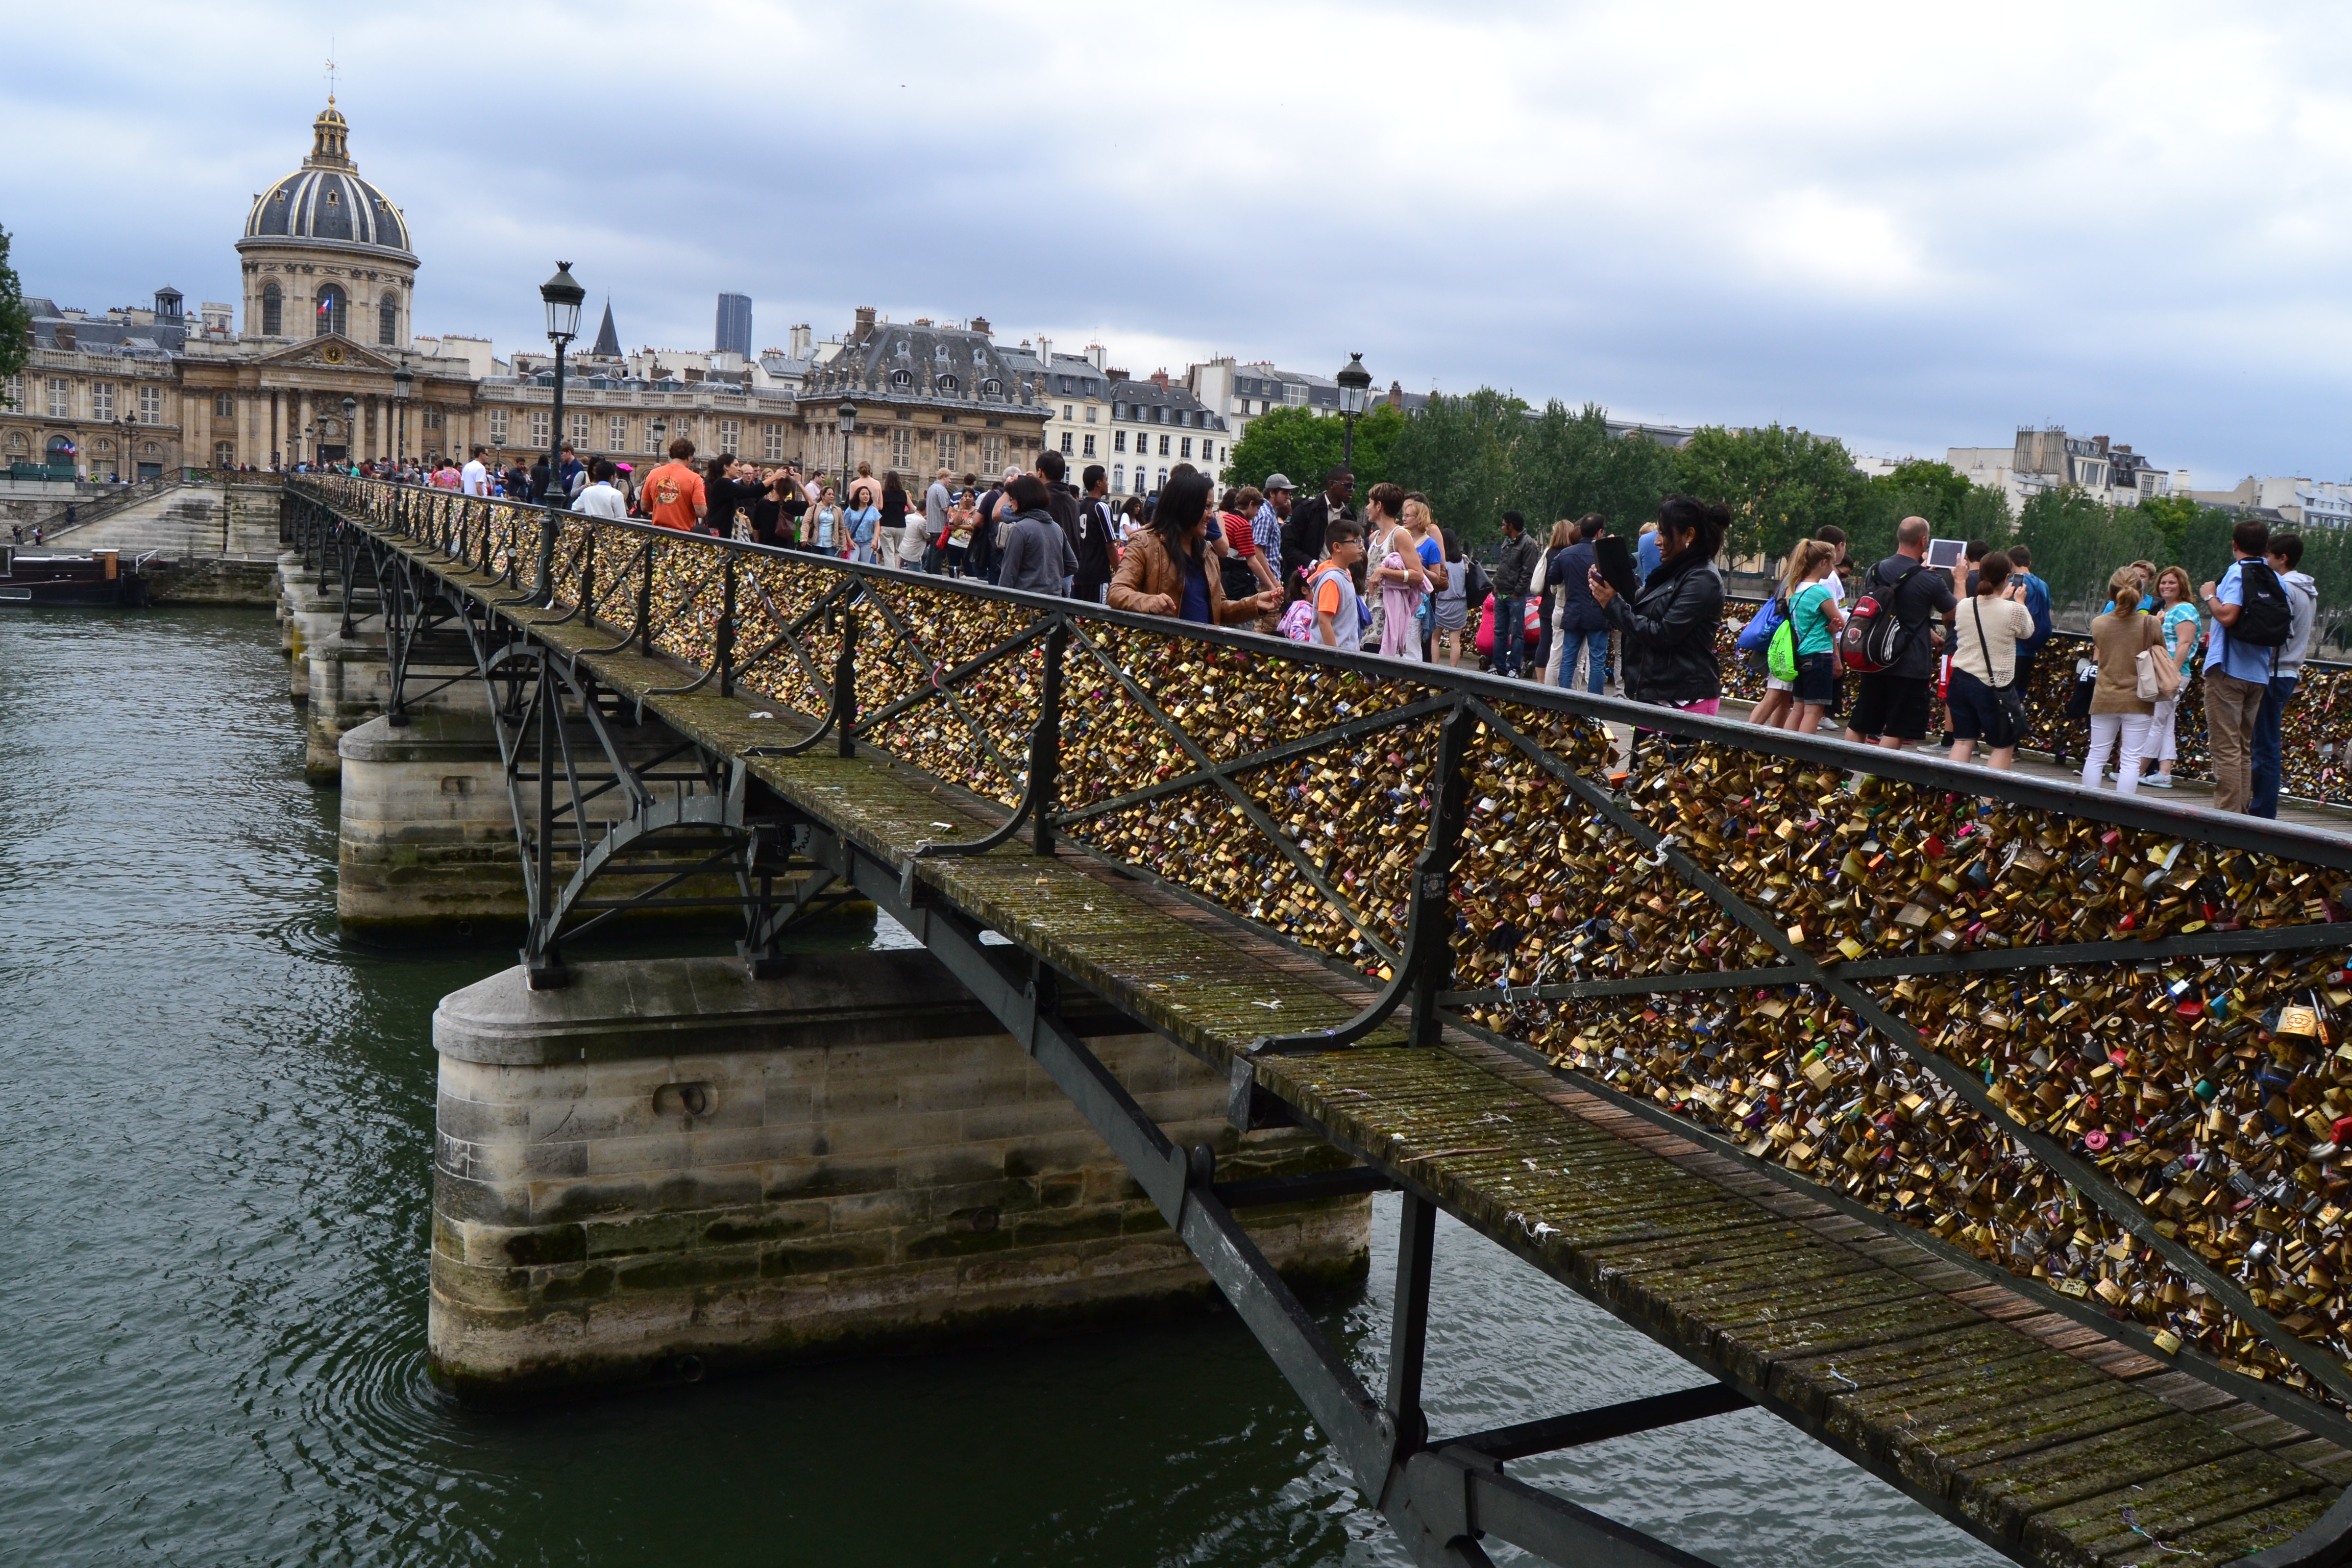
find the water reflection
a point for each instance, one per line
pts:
(213, 1229)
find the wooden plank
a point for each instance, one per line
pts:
(2113, 1524)
(2003, 1495)
(2239, 1537)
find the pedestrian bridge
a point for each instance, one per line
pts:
(1990, 1133)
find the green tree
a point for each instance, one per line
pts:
(1946, 483)
(2078, 543)
(2171, 515)
(1955, 508)
(1566, 464)
(16, 320)
(1303, 446)
(1780, 484)
(1461, 453)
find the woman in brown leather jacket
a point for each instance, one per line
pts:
(1166, 570)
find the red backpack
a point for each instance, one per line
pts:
(1873, 638)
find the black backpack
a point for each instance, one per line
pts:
(2264, 617)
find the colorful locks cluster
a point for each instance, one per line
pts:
(2216, 1093)
(1851, 868)
(1228, 702)
(1547, 890)
(965, 684)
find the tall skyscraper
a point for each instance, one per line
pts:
(734, 334)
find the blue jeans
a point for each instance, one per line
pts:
(1510, 632)
(1574, 648)
(2267, 759)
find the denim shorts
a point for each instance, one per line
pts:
(1817, 679)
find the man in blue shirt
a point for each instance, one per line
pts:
(2037, 605)
(1646, 555)
(2237, 675)
(2285, 555)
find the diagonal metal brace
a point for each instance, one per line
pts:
(1426, 966)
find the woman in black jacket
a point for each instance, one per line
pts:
(1673, 624)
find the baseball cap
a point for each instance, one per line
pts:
(1278, 482)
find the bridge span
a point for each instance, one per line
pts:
(1996, 1135)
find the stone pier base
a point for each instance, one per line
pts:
(669, 1169)
(426, 844)
(426, 840)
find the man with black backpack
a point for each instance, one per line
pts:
(2252, 621)
(1895, 703)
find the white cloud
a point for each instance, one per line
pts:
(1912, 228)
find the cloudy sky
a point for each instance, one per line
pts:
(1905, 227)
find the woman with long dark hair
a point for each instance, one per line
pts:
(894, 513)
(1670, 625)
(1167, 570)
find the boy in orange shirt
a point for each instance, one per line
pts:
(673, 493)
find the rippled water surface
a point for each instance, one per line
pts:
(213, 1182)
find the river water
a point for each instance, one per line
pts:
(215, 1181)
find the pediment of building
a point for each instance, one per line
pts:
(330, 353)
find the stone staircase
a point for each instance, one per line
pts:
(181, 522)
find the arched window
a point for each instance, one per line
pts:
(992, 386)
(902, 378)
(334, 311)
(948, 384)
(387, 320)
(273, 311)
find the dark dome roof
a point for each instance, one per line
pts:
(326, 201)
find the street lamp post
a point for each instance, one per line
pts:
(849, 413)
(402, 380)
(563, 295)
(1355, 384)
(122, 453)
(351, 427)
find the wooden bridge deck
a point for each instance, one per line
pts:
(2034, 1433)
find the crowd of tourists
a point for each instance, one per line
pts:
(1975, 628)
(1869, 650)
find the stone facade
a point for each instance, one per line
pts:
(668, 1167)
(928, 397)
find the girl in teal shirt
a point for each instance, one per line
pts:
(1814, 618)
(2177, 603)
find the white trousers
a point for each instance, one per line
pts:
(2161, 746)
(2132, 728)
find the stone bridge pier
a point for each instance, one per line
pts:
(341, 680)
(669, 1168)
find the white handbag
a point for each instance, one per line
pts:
(2157, 679)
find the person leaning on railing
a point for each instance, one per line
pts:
(1671, 623)
(1166, 571)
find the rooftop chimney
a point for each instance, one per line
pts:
(979, 324)
(1095, 353)
(865, 320)
(1159, 379)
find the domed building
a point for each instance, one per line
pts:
(329, 272)
(326, 252)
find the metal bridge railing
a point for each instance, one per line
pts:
(2094, 1041)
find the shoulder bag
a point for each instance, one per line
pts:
(2009, 703)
